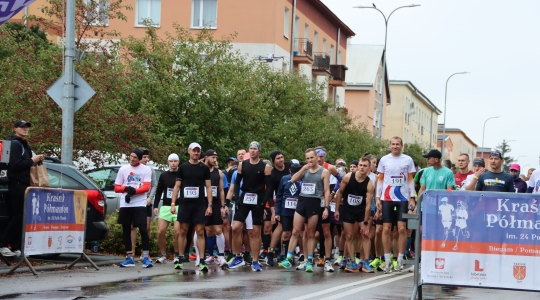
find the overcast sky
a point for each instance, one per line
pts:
(497, 41)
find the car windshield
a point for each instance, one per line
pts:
(104, 178)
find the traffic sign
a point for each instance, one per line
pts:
(83, 91)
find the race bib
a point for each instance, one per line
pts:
(333, 206)
(397, 180)
(135, 185)
(214, 191)
(354, 200)
(191, 192)
(308, 188)
(169, 193)
(322, 203)
(291, 203)
(250, 199)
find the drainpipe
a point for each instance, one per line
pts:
(292, 35)
(25, 16)
(337, 55)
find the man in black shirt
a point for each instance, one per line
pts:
(165, 187)
(256, 175)
(495, 180)
(191, 183)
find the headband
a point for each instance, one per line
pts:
(320, 152)
(255, 144)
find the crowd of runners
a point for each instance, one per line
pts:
(290, 213)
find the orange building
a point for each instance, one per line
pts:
(307, 34)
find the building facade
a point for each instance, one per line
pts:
(461, 144)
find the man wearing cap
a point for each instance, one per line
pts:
(193, 190)
(478, 167)
(256, 175)
(133, 181)
(165, 188)
(436, 176)
(20, 160)
(461, 175)
(495, 180)
(520, 185)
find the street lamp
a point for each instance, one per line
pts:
(484, 132)
(384, 58)
(444, 124)
(520, 156)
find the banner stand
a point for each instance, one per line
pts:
(24, 258)
(413, 222)
(5, 260)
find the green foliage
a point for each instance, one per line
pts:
(505, 150)
(415, 151)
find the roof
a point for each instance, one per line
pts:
(440, 137)
(363, 62)
(441, 128)
(422, 96)
(330, 15)
(485, 149)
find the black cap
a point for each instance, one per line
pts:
(138, 152)
(354, 162)
(146, 152)
(274, 153)
(295, 168)
(433, 153)
(211, 152)
(202, 155)
(21, 123)
(480, 162)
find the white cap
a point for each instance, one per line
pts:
(295, 161)
(194, 145)
(173, 156)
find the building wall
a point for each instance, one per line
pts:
(448, 148)
(461, 145)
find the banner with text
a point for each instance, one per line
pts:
(8, 8)
(482, 239)
(55, 221)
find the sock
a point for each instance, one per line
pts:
(266, 238)
(326, 259)
(239, 255)
(289, 254)
(201, 261)
(387, 258)
(175, 254)
(129, 253)
(145, 253)
(341, 252)
(133, 249)
(210, 242)
(220, 241)
(310, 258)
(195, 245)
(400, 257)
(357, 255)
(285, 247)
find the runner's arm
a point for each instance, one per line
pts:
(269, 192)
(300, 174)
(333, 170)
(341, 189)
(380, 181)
(410, 183)
(153, 184)
(220, 188)
(369, 196)
(159, 191)
(279, 196)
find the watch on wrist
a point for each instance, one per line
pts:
(327, 207)
(210, 204)
(411, 207)
(366, 222)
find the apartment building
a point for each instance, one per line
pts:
(461, 144)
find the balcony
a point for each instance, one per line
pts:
(338, 75)
(321, 63)
(303, 51)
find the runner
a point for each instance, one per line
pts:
(495, 180)
(534, 182)
(165, 188)
(461, 175)
(436, 176)
(520, 184)
(316, 179)
(255, 175)
(478, 168)
(194, 205)
(357, 191)
(395, 190)
(353, 167)
(133, 181)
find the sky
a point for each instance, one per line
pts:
(498, 42)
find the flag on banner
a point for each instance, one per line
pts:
(8, 8)
(482, 239)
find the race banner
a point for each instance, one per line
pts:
(55, 221)
(481, 239)
(8, 8)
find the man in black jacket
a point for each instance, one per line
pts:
(20, 160)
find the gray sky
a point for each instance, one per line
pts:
(497, 41)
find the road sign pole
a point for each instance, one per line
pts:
(68, 93)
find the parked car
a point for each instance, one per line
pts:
(68, 177)
(105, 178)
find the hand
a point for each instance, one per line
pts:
(156, 211)
(480, 171)
(364, 229)
(336, 215)
(38, 158)
(325, 214)
(173, 209)
(273, 218)
(264, 215)
(208, 211)
(130, 190)
(307, 166)
(148, 202)
(277, 218)
(226, 210)
(223, 214)
(378, 204)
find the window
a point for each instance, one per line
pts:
(315, 41)
(296, 27)
(58, 180)
(376, 118)
(324, 45)
(148, 10)
(204, 14)
(104, 178)
(332, 58)
(97, 12)
(306, 31)
(378, 83)
(286, 19)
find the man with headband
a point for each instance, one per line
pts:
(133, 181)
(495, 180)
(324, 229)
(479, 166)
(256, 176)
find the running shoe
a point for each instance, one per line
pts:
(161, 260)
(229, 256)
(129, 262)
(387, 267)
(353, 268)
(343, 264)
(338, 260)
(301, 266)
(223, 264)
(285, 264)
(229, 261)
(375, 263)
(394, 265)
(203, 267)
(248, 259)
(193, 256)
(301, 257)
(6, 251)
(256, 267)
(262, 256)
(17, 253)
(280, 257)
(209, 260)
(178, 265)
(357, 260)
(366, 268)
(237, 263)
(146, 262)
(320, 262)
(328, 266)
(399, 266)
(309, 267)
(269, 259)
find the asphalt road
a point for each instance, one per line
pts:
(163, 281)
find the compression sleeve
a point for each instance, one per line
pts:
(380, 181)
(339, 178)
(530, 189)
(119, 189)
(269, 192)
(143, 189)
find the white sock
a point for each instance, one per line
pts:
(387, 258)
(195, 245)
(220, 241)
(400, 257)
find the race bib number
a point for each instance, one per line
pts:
(169, 193)
(333, 206)
(250, 199)
(322, 203)
(214, 191)
(291, 203)
(308, 188)
(354, 200)
(397, 180)
(191, 192)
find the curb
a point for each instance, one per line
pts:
(23, 269)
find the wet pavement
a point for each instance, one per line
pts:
(163, 281)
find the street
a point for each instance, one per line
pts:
(163, 281)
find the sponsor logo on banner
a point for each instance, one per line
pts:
(478, 273)
(477, 266)
(439, 263)
(29, 240)
(70, 239)
(49, 241)
(520, 271)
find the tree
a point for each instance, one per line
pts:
(416, 152)
(505, 150)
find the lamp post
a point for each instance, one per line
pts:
(444, 123)
(484, 132)
(382, 86)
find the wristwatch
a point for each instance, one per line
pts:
(210, 204)
(327, 207)
(366, 222)
(411, 207)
